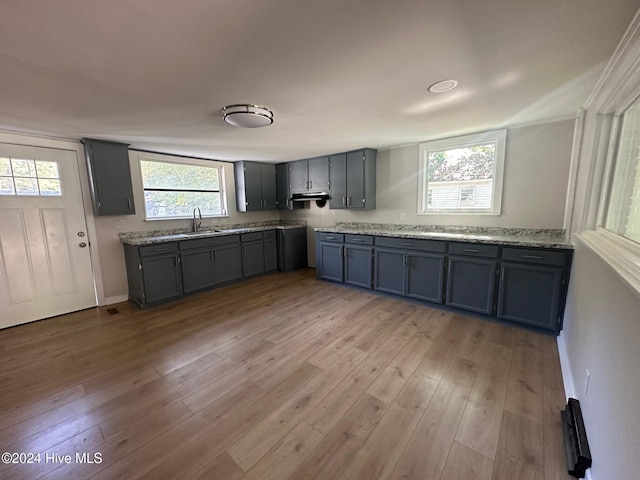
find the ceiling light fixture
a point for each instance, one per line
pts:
(247, 116)
(443, 86)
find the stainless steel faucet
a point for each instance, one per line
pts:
(196, 224)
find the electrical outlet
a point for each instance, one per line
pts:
(119, 224)
(587, 377)
(402, 216)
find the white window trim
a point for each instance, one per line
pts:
(497, 136)
(184, 161)
(616, 90)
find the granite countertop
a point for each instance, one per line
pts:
(180, 234)
(521, 237)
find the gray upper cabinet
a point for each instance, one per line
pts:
(310, 175)
(255, 186)
(283, 189)
(353, 179)
(110, 175)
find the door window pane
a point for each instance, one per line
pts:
(29, 177)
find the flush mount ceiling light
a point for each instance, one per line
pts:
(443, 86)
(247, 116)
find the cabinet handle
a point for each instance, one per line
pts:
(470, 250)
(211, 254)
(330, 238)
(129, 202)
(159, 249)
(349, 200)
(533, 257)
(407, 244)
(356, 240)
(310, 184)
(404, 259)
(344, 201)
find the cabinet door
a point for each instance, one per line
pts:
(471, 284)
(389, 273)
(425, 277)
(227, 263)
(110, 177)
(319, 174)
(161, 277)
(298, 176)
(331, 266)
(270, 254)
(252, 258)
(253, 186)
(338, 180)
(358, 265)
(198, 270)
(282, 187)
(355, 180)
(530, 294)
(268, 177)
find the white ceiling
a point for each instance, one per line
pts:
(338, 74)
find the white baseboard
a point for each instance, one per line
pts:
(567, 379)
(116, 299)
(567, 376)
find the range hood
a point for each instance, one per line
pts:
(319, 197)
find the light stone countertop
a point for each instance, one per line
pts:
(176, 235)
(521, 237)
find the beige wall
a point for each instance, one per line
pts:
(601, 334)
(110, 249)
(536, 173)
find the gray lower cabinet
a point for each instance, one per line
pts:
(471, 284)
(292, 249)
(207, 262)
(154, 273)
(252, 254)
(329, 256)
(532, 285)
(358, 264)
(270, 246)
(389, 271)
(410, 267)
(424, 275)
(228, 263)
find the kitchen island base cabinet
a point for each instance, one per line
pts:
(530, 294)
(471, 284)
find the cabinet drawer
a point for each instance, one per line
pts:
(158, 249)
(359, 239)
(250, 237)
(543, 257)
(269, 234)
(330, 237)
(207, 242)
(412, 244)
(474, 250)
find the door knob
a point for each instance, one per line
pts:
(82, 244)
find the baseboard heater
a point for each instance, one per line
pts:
(575, 439)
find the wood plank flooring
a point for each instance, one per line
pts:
(281, 377)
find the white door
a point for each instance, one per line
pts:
(45, 265)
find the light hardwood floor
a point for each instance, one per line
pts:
(281, 377)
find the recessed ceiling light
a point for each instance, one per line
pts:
(443, 86)
(247, 116)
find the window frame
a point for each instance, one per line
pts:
(619, 252)
(498, 137)
(188, 162)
